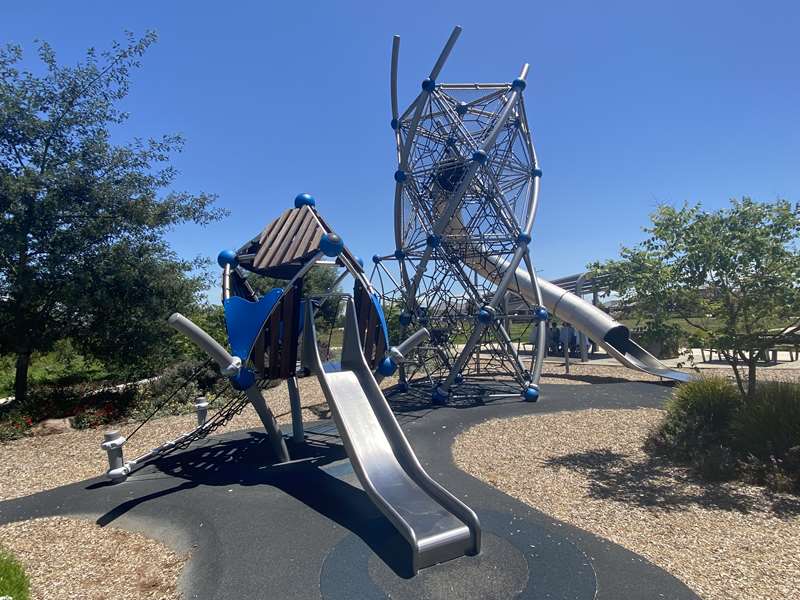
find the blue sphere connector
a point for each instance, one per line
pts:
(399, 254)
(405, 318)
(243, 379)
(536, 172)
(387, 367)
(227, 257)
(395, 124)
(376, 259)
(541, 314)
(518, 84)
(402, 387)
(429, 85)
(459, 378)
(524, 238)
(485, 316)
(461, 108)
(331, 244)
(434, 241)
(479, 156)
(399, 176)
(439, 397)
(531, 394)
(360, 261)
(304, 200)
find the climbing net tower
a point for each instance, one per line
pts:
(467, 185)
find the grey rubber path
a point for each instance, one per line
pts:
(307, 530)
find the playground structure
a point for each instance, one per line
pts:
(467, 188)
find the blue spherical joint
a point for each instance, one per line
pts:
(387, 367)
(331, 244)
(486, 315)
(360, 261)
(405, 318)
(399, 254)
(395, 124)
(524, 238)
(227, 258)
(243, 380)
(536, 172)
(518, 84)
(429, 85)
(530, 394)
(479, 156)
(440, 396)
(376, 259)
(400, 176)
(434, 241)
(302, 200)
(458, 379)
(462, 108)
(540, 314)
(402, 387)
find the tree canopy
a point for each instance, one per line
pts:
(731, 275)
(82, 248)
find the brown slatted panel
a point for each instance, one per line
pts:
(300, 247)
(269, 231)
(274, 341)
(281, 239)
(372, 321)
(289, 341)
(258, 354)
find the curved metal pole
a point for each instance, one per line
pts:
(395, 57)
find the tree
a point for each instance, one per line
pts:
(732, 275)
(82, 250)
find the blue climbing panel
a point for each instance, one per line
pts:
(244, 320)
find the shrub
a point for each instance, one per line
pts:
(699, 417)
(13, 580)
(767, 426)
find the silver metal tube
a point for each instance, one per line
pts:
(298, 435)
(230, 365)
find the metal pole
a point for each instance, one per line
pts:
(297, 411)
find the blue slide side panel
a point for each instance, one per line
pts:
(376, 302)
(244, 320)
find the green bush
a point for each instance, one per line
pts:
(721, 435)
(767, 426)
(699, 417)
(13, 580)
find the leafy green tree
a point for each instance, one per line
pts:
(82, 220)
(732, 275)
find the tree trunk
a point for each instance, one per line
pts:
(751, 375)
(21, 377)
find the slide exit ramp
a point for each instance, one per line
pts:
(584, 316)
(436, 524)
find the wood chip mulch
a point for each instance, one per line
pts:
(726, 541)
(77, 559)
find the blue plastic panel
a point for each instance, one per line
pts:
(244, 320)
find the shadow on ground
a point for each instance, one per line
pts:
(249, 462)
(655, 482)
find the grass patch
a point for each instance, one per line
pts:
(722, 435)
(14, 582)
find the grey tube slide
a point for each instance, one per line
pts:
(436, 524)
(610, 334)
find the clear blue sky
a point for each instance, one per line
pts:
(631, 104)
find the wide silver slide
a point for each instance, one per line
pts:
(609, 333)
(436, 524)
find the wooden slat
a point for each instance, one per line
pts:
(299, 246)
(276, 242)
(289, 341)
(268, 232)
(290, 243)
(274, 343)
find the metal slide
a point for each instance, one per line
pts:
(436, 524)
(610, 334)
